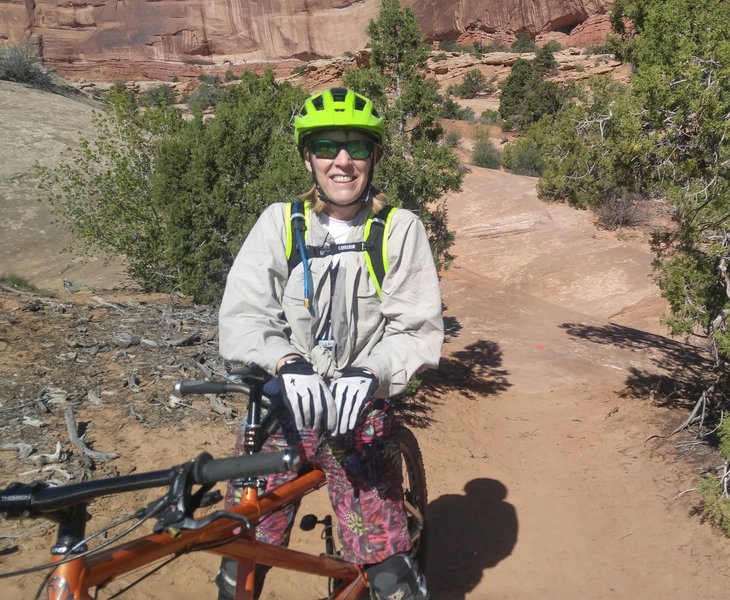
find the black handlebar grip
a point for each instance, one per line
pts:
(209, 387)
(207, 470)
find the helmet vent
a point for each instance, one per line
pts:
(338, 94)
(359, 103)
(318, 103)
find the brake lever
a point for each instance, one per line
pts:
(180, 502)
(188, 523)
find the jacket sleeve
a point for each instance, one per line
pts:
(411, 305)
(252, 328)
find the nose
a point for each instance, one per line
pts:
(342, 157)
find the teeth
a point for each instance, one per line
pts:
(342, 179)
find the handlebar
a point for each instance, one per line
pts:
(35, 499)
(209, 387)
(241, 381)
(20, 500)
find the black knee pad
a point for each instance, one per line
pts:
(397, 578)
(226, 579)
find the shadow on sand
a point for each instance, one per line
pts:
(677, 380)
(467, 534)
(474, 371)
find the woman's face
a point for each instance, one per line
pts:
(342, 178)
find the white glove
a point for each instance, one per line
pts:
(352, 391)
(308, 396)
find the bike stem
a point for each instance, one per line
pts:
(71, 530)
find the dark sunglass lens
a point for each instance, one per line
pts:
(328, 149)
(324, 148)
(359, 149)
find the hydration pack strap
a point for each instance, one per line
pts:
(297, 217)
(330, 249)
(377, 229)
(375, 246)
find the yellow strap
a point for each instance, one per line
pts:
(369, 262)
(287, 217)
(287, 223)
(383, 249)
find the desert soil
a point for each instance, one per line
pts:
(556, 370)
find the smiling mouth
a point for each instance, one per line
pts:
(343, 179)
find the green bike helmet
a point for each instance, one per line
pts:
(337, 107)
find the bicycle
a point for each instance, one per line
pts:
(75, 569)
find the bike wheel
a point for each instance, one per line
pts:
(415, 493)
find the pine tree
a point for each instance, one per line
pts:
(417, 169)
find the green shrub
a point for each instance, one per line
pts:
(204, 96)
(17, 282)
(20, 63)
(118, 92)
(496, 46)
(229, 75)
(591, 148)
(598, 49)
(544, 60)
(526, 96)
(176, 198)
(161, 95)
(299, 69)
(474, 82)
(451, 109)
(715, 505)
(440, 57)
(452, 139)
(553, 46)
(524, 43)
(485, 154)
(716, 502)
(450, 46)
(477, 48)
(490, 117)
(523, 157)
(209, 79)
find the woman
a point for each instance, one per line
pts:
(339, 341)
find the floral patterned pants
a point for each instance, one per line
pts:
(364, 482)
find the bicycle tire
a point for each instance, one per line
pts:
(415, 492)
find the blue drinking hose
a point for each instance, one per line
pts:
(305, 265)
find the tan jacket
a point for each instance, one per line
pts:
(263, 318)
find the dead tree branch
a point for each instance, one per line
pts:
(87, 455)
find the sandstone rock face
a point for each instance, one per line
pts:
(592, 32)
(450, 18)
(159, 38)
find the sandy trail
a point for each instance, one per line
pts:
(541, 482)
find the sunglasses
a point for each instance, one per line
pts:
(329, 149)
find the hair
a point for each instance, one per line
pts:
(378, 200)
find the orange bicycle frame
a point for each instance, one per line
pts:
(73, 580)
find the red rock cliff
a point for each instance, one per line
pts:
(158, 37)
